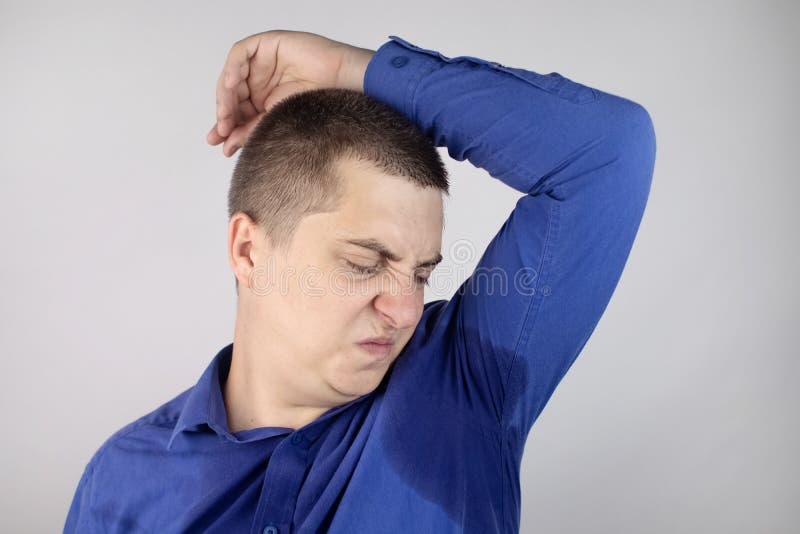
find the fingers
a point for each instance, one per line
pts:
(250, 116)
(233, 80)
(248, 86)
(248, 112)
(263, 69)
(244, 111)
(213, 138)
(238, 136)
(237, 64)
(227, 109)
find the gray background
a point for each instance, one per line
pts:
(679, 415)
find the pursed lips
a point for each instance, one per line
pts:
(380, 347)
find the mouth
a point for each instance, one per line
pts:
(379, 350)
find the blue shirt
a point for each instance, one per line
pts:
(437, 446)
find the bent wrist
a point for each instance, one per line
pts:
(354, 66)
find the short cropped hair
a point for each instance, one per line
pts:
(286, 169)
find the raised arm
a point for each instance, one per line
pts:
(583, 160)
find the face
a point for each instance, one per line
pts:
(309, 311)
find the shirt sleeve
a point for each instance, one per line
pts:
(79, 515)
(583, 160)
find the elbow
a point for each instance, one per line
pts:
(631, 138)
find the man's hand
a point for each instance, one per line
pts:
(265, 68)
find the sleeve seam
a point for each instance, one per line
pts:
(534, 304)
(101, 453)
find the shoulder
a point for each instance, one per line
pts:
(149, 431)
(120, 466)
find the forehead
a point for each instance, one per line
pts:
(389, 208)
(375, 200)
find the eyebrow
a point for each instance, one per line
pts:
(380, 248)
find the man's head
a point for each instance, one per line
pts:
(330, 182)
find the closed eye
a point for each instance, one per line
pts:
(363, 269)
(368, 270)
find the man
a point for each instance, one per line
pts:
(345, 404)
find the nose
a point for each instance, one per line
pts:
(399, 301)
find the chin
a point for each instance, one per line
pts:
(361, 383)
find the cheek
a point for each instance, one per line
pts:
(328, 316)
(345, 293)
(327, 306)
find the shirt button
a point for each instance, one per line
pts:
(297, 439)
(270, 529)
(399, 61)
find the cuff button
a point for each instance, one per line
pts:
(399, 61)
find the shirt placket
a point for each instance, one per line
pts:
(282, 480)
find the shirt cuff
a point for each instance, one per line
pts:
(395, 70)
(397, 67)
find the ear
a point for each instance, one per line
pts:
(246, 243)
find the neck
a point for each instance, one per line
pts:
(258, 394)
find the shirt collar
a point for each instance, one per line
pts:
(204, 405)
